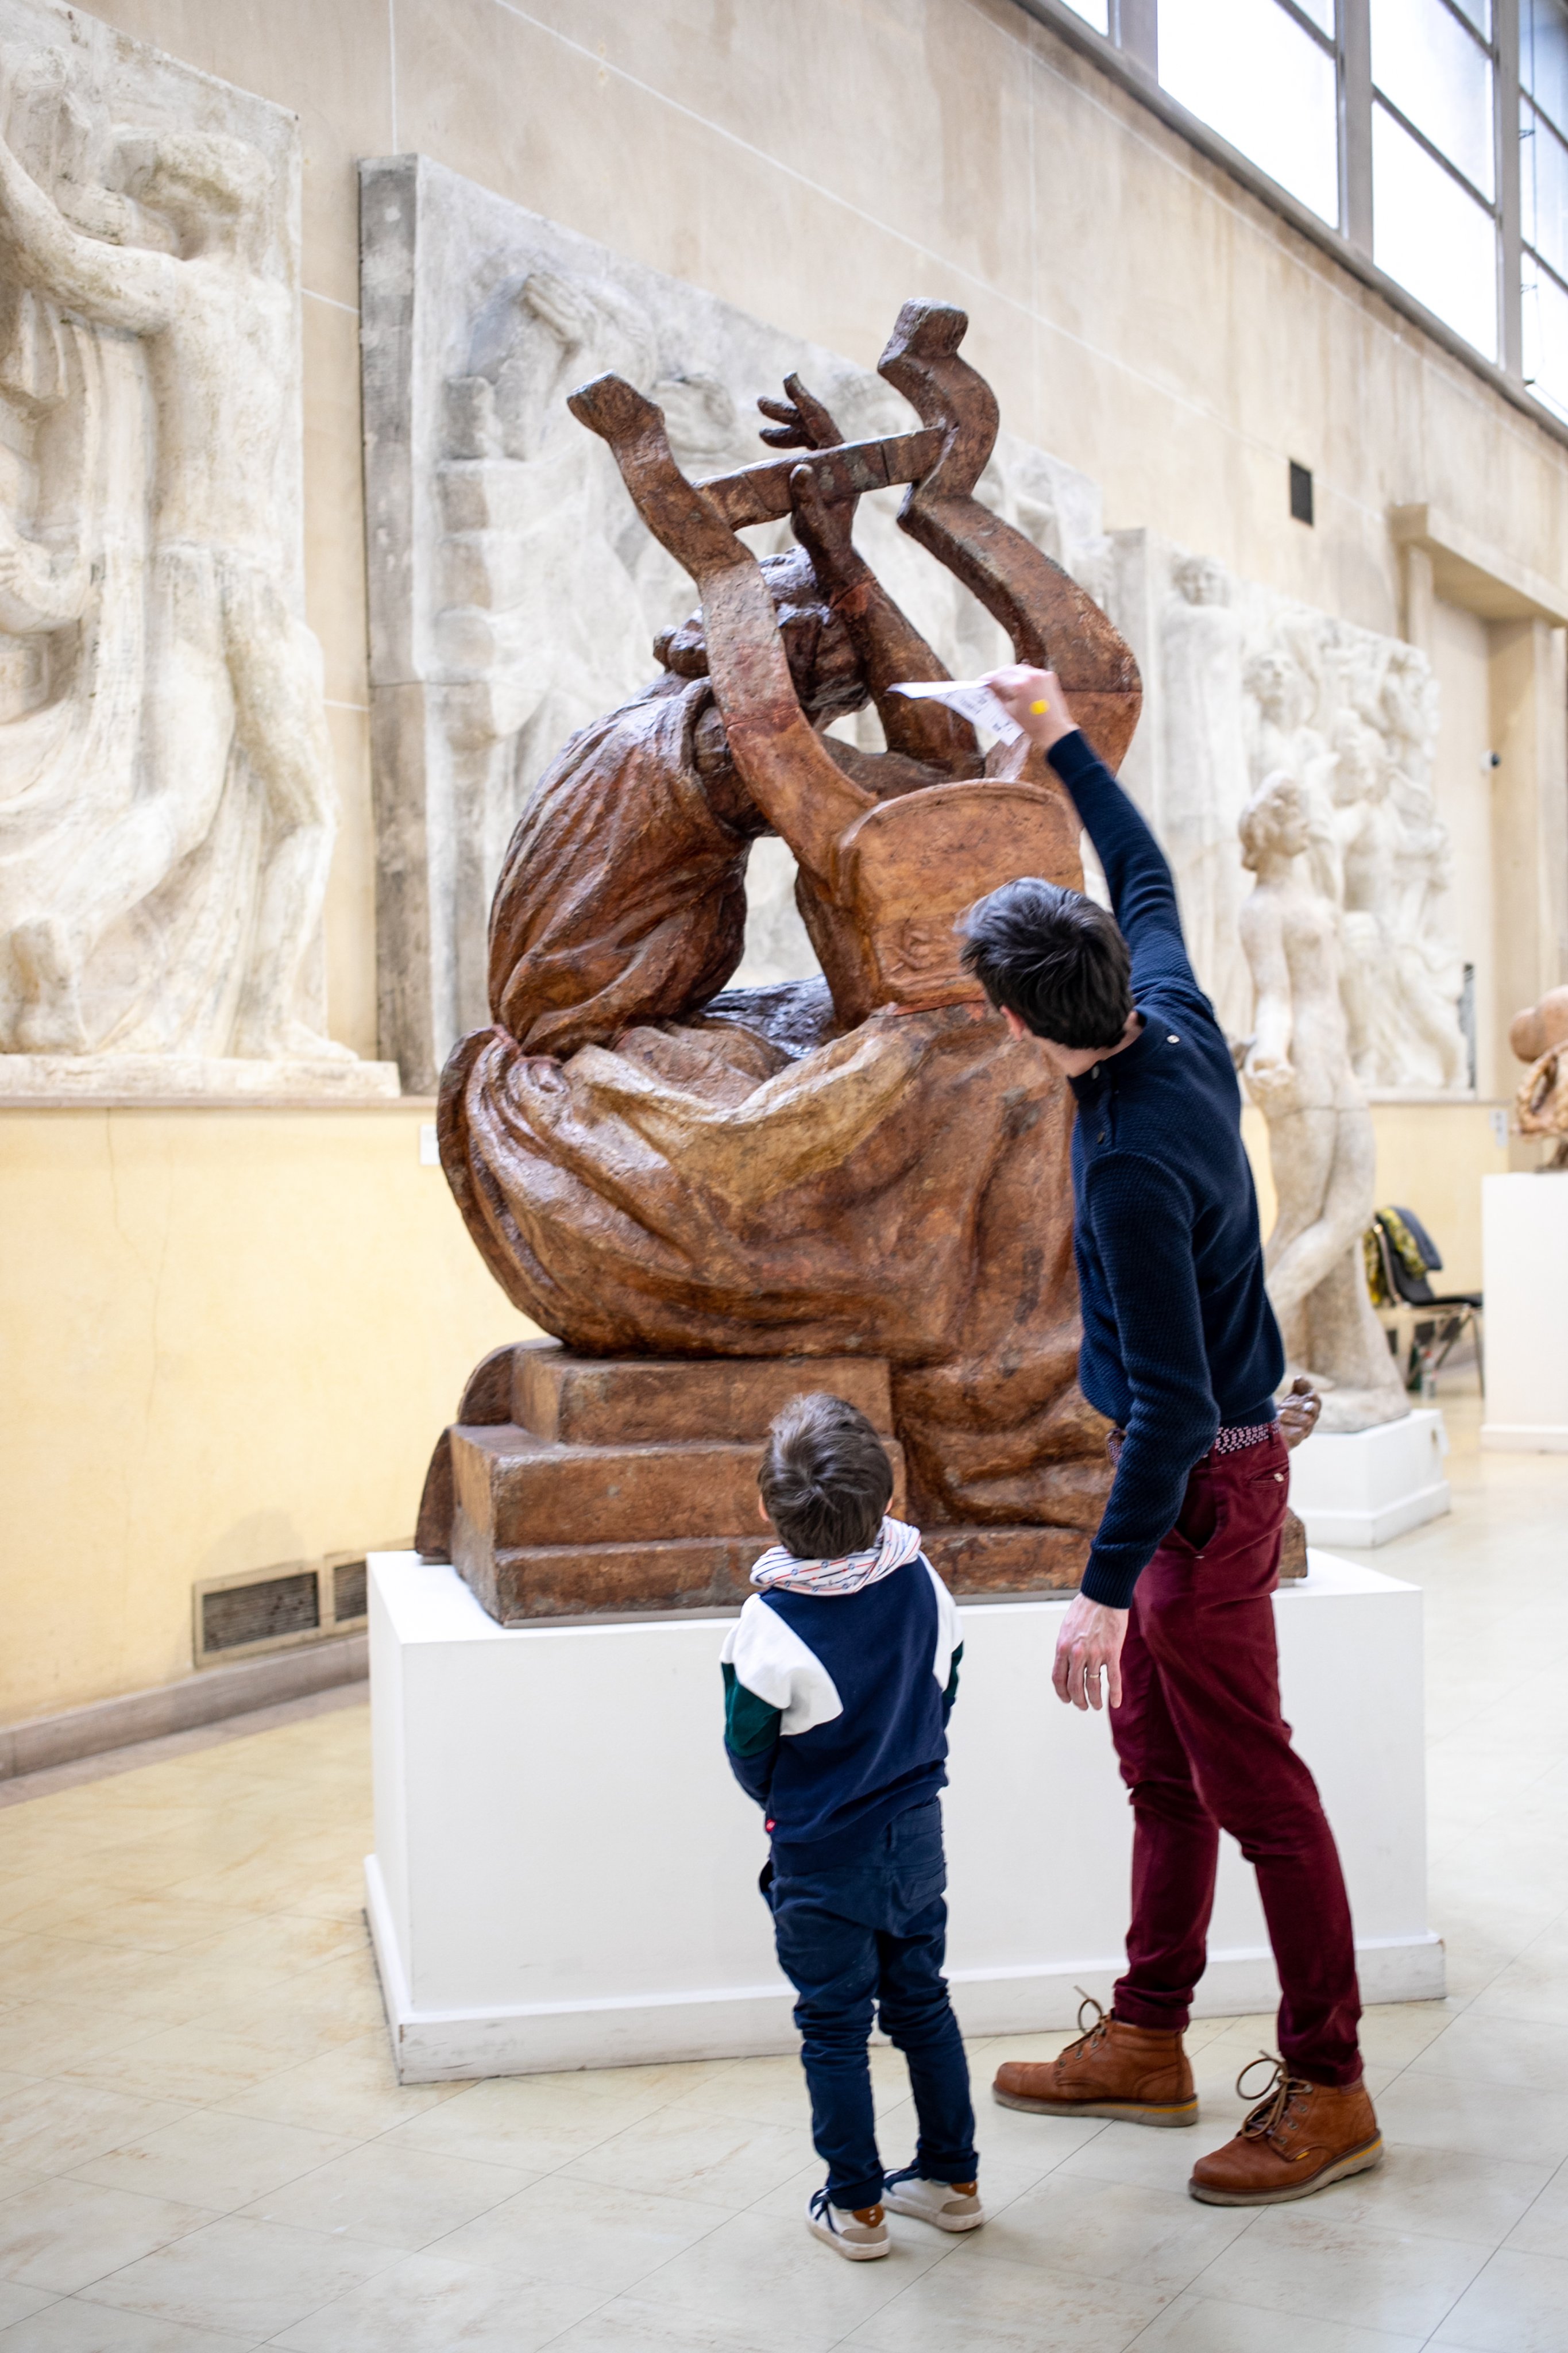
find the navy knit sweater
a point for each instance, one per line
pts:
(1178, 1334)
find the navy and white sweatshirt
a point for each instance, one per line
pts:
(836, 1708)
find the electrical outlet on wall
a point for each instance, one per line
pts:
(1499, 1126)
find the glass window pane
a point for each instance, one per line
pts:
(1247, 68)
(1479, 13)
(1543, 190)
(1543, 56)
(1098, 13)
(1432, 237)
(1545, 338)
(1321, 12)
(1424, 59)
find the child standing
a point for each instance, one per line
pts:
(839, 1678)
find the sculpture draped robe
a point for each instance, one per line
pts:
(650, 1166)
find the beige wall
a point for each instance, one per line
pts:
(232, 1339)
(239, 1331)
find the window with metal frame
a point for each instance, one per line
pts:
(1433, 159)
(1428, 138)
(1264, 74)
(1543, 197)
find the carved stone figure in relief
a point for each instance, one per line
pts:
(214, 679)
(1320, 1143)
(1205, 776)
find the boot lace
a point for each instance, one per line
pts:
(1087, 2037)
(1269, 2119)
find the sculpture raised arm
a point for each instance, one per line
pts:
(794, 778)
(892, 650)
(1052, 622)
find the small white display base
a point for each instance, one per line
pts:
(1524, 1246)
(565, 1873)
(1366, 1487)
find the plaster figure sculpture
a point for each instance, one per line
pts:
(1320, 1144)
(1539, 1036)
(1201, 657)
(167, 807)
(858, 1165)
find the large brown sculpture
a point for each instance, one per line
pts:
(860, 1168)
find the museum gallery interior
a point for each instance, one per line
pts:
(493, 1016)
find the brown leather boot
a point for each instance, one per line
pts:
(1113, 2070)
(1299, 2138)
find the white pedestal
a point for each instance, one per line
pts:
(565, 1873)
(1367, 1486)
(1524, 1247)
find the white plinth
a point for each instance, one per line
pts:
(1524, 1246)
(1367, 1486)
(565, 1873)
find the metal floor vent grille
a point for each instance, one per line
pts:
(274, 1609)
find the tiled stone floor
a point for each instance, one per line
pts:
(202, 2147)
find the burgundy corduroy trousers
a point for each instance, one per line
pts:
(1204, 1747)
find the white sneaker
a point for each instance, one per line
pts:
(860, 2237)
(951, 2206)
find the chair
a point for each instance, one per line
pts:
(1424, 1325)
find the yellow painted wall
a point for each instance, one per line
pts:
(230, 1338)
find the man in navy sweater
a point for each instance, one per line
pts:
(839, 1677)
(1182, 1353)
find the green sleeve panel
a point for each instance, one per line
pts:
(951, 1694)
(751, 1725)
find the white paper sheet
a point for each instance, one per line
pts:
(971, 699)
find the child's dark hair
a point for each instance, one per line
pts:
(1054, 958)
(826, 1479)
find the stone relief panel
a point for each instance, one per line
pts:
(1241, 683)
(167, 807)
(515, 594)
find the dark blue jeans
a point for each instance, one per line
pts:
(875, 1932)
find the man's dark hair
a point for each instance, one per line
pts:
(1054, 958)
(826, 1479)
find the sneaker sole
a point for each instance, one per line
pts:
(845, 2247)
(937, 2222)
(1127, 2112)
(1360, 2160)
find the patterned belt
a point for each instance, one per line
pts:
(1239, 1435)
(1231, 1440)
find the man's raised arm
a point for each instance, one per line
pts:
(1143, 894)
(121, 286)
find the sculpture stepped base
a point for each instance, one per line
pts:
(584, 1487)
(191, 1078)
(1368, 1487)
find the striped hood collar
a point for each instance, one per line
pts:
(897, 1543)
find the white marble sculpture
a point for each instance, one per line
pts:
(1241, 683)
(1206, 772)
(1320, 1144)
(514, 594)
(167, 807)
